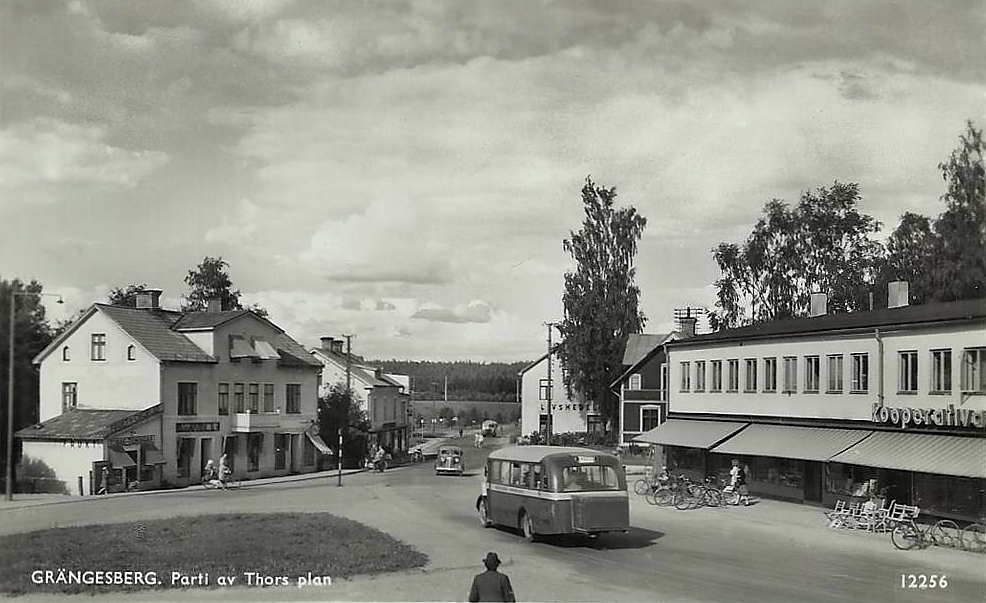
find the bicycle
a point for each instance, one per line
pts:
(973, 538)
(688, 495)
(712, 495)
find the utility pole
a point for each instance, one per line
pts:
(344, 411)
(551, 385)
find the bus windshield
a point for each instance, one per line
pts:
(590, 478)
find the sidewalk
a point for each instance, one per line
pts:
(21, 501)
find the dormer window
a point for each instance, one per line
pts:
(65, 354)
(240, 348)
(131, 352)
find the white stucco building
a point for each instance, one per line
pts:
(567, 414)
(152, 394)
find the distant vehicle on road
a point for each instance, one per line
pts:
(554, 490)
(450, 461)
(489, 428)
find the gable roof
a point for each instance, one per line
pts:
(363, 372)
(207, 320)
(645, 358)
(957, 311)
(154, 329)
(86, 424)
(639, 345)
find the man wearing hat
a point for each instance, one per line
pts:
(491, 585)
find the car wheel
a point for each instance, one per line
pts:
(527, 525)
(484, 514)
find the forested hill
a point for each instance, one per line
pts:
(479, 381)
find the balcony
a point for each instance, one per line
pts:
(245, 422)
(644, 395)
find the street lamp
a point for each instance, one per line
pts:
(10, 386)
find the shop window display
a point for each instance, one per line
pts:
(949, 496)
(779, 472)
(685, 459)
(849, 480)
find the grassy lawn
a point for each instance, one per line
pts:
(289, 545)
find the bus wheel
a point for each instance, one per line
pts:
(527, 525)
(484, 514)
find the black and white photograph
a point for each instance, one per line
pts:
(493, 300)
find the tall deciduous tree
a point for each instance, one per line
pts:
(961, 229)
(910, 257)
(822, 244)
(331, 409)
(33, 334)
(210, 280)
(600, 299)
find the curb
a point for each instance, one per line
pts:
(243, 484)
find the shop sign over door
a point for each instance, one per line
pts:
(929, 417)
(187, 427)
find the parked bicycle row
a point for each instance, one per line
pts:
(682, 493)
(906, 533)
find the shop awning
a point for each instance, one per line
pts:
(788, 441)
(690, 434)
(152, 456)
(920, 452)
(120, 459)
(319, 443)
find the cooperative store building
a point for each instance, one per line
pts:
(839, 406)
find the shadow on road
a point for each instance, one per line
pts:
(635, 538)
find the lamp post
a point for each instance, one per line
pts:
(10, 385)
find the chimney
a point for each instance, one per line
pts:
(897, 294)
(819, 304)
(686, 326)
(214, 305)
(148, 299)
(327, 343)
(337, 346)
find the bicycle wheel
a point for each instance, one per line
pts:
(945, 533)
(730, 497)
(682, 499)
(973, 538)
(905, 536)
(660, 497)
(641, 486)
(713, 497)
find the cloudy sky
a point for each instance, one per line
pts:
(407, 170)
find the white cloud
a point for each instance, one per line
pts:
(476, 311)
(46, 151)
(237, 228)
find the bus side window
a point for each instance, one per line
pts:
(504, 472)
(515, 475)
(538, 482)
(527, 476)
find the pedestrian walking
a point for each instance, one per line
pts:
(491, 585)
(223, 470)
(737, 479)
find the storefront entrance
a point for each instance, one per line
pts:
(813, 481)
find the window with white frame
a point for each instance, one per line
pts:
(187, 397)
(716, 376)
(544, 389)
(750, 385)
(700, 376)
(733, 383)
(860, 373)
(974, 370)
(812, 371)
(770, 374)
(650, 417)
(634, 381)
(70, 396)
(98, 348)
(941, 371)
(907, 370)
(292, 398)
(790, 374)
(664, 381)
(223, 402)
(834, 374)
(686, 376)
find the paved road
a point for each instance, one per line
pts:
(770, 552)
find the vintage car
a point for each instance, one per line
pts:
(450, 460)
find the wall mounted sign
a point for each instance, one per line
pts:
(930, 417)
(568, 407)
(187, 427)
(133, 440)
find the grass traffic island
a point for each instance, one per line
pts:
(207, 551)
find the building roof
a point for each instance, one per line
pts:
(82, 424)
(206, 320)
(645, 346)
(907, 316)
(363, 372)
(639, 345)
(153, 329)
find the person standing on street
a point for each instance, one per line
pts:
(737, 479)
(491, 585)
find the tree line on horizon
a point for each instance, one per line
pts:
(467, 380)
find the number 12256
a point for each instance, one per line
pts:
(923, 581)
